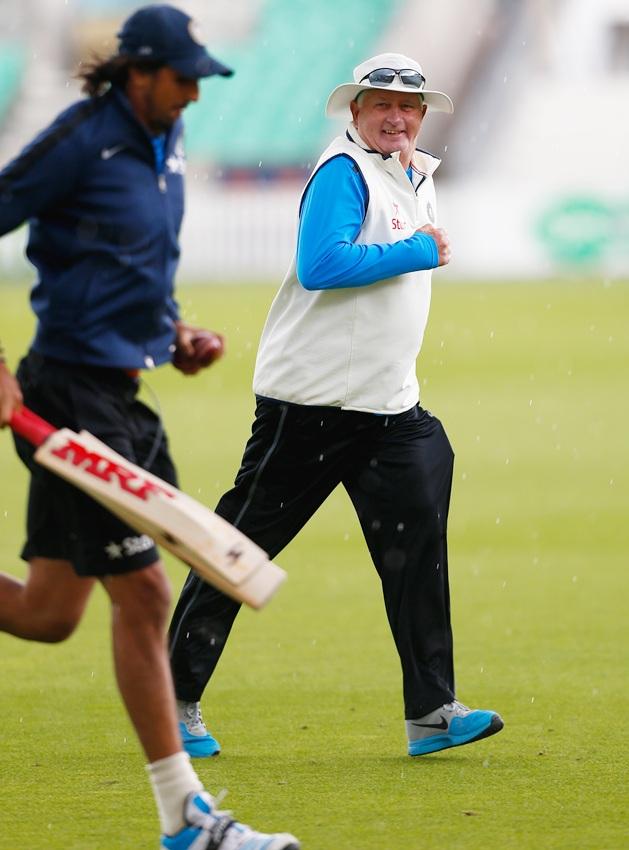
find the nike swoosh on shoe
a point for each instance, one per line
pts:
(442, 725)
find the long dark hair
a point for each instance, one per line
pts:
(99, 75)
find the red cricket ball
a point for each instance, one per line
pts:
(208, 347)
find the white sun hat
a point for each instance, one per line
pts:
(397, 73)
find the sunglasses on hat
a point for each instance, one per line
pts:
(385, 76)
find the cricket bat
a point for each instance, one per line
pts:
(217, 551)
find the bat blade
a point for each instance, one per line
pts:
(216, 550)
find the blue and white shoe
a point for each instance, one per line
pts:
(451, 725)
(196, 740)
(208, 829)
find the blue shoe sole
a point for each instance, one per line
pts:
(489, 725)
(199, 747)
(202, 748)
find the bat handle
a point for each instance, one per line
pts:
(30, 426)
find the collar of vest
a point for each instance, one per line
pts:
(422, 162)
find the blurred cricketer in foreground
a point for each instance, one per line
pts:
(338, 403)
(102, 189)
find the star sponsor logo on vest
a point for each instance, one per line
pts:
(128, 547)
(396, 223)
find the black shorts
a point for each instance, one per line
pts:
(62, 522)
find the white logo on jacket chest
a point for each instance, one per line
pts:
(107, 153)
(396, 223)
(176, 162)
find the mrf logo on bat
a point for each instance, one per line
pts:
(106, 470)
(156, 511)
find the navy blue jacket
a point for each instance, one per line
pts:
(104, 234)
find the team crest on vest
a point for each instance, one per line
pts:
(430, 212)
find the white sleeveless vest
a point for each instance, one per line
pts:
(356, 348)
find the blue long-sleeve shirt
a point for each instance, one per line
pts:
(331, 215)
(104, 228)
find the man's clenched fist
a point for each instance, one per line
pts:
(196, 349)
(442, 239)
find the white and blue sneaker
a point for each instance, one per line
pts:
(196, 740)
(208, 829)
(450, 725)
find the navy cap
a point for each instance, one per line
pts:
(167, 35)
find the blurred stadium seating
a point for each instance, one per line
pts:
(518, 151)
(270, 116)
(12, 67)
(266, 122)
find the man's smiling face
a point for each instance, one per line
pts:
(389, 121)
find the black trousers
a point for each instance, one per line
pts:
(397, 471)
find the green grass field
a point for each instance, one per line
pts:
(531, 381)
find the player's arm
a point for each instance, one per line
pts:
(44, 172)
(40, 176)
(10, 393)
(331, 216)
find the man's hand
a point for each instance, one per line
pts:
(442, 240)
(10, 394)
(196, 348)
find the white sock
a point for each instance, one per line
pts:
(172, 779)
